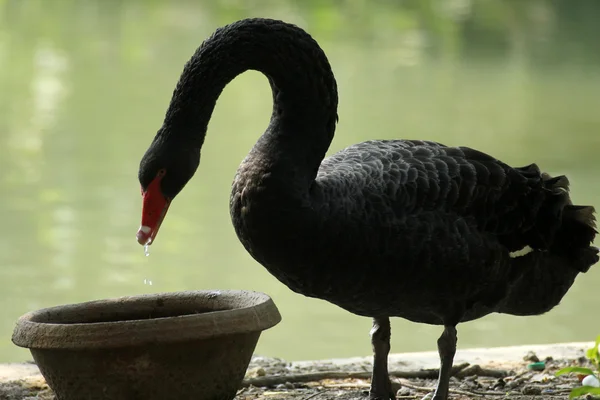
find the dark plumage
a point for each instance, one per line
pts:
(391, 228)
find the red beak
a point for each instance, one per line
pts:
(154, 209)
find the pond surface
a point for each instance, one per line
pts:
(84, 86)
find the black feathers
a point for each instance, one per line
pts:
(394, 227)
(403, 228)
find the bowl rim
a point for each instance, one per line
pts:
(251, 312)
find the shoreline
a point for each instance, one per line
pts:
(23, 381)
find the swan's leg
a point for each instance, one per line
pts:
(447, 349)
(381, 387)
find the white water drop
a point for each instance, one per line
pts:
(147, 253)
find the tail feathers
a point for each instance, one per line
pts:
(557, 183)
(569, 230)
(583, 215)
(550, 213)
(575, 236)
(563, 235)
(577, 228)
(586, 258)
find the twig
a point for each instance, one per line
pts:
(520, 375)
(315, 394)
(426, 373)
(477, 370)
(488, 393)
(266, 381)
(455, 391)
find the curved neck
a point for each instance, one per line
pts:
(304, 90)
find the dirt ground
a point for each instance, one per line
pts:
(275, 379)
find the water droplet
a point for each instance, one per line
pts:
(147, 282)
(147, 249)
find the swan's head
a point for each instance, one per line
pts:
(164, 171)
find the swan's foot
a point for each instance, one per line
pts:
(381, 392)
(374, 396)
(381, 386)
(446, 349)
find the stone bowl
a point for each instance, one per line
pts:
(184, 345)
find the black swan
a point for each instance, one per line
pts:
(385, 228)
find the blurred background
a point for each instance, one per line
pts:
(84, 85)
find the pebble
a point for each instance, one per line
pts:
(469, 385)
(531, 391)
(499, 384)
(542, 378)
(590, 380)
(403, 392)
(531, 357)
(514, 383)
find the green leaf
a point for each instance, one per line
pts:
(574, 370)
(580, 391)
(594, 350)
(593, 353)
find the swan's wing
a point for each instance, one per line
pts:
(385, 182)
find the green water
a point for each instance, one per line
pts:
(84, 86)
